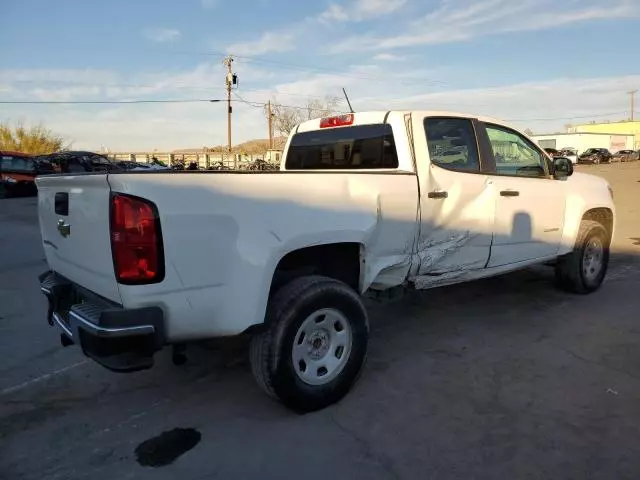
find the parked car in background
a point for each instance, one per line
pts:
(80, 162)
(552, 152)
(127, 164)
(570, 153)
(18, 172)
(140, 167)
(625, 156)
(595, 156)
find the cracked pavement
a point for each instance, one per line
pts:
(499, 379)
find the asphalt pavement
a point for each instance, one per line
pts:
(505, 378)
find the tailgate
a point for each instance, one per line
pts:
(74, 214)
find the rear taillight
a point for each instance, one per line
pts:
(339, 121)
(136, 240)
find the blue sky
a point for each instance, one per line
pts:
(542, 63)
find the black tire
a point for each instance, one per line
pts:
(5, 192)
(570, 269)
(271, 349)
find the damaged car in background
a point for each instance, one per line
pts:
(625, 156)
(595, 156)
(363, 203)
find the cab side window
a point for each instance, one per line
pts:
(514, 154)
(452, 143)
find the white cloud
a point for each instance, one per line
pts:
(466, 19)
(162, 34)
(542, 106)
(388, 57)
(269, 42)
(62, 94)
(209, 4)
(62, 75)
(133, 126)
(334, 13)
(375, 8)
(360, 10)
(192, 125)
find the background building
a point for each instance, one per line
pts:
(582, 141)
(619, 128)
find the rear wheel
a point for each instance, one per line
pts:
(584, 269)
(315, 344)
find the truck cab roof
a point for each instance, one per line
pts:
(381, 116)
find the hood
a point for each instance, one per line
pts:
(588, 181)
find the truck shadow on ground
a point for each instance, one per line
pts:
(459, 346)
(442, 353)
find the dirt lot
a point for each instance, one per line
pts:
(500, 379)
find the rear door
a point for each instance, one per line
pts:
(457, 200)
(74, 222)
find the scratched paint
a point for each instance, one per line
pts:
(436, 257)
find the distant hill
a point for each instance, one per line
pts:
(251, 147)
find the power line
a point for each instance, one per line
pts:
(80, 102)
(163, 86)
(116, 102)
(255, 104)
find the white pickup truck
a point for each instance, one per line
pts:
(362, 202)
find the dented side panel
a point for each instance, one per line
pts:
(224, 235)
(455, 232)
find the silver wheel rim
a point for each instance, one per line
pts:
(322, 346)
(593, 259)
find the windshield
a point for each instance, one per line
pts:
(591, 151)
(16, 163)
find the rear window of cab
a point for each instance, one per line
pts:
(358, 147)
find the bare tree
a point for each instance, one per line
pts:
(285, 118)
(529, 132)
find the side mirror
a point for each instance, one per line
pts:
(562, 168)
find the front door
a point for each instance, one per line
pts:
(457, 201)
(530, 204)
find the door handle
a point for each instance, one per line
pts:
(437, 194)
(509, 193)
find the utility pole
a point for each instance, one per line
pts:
(230, 80)
(632, 93)
(270, 120)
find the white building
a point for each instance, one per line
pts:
(582, 141)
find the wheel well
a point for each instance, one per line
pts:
(337, 260)
(604, 216)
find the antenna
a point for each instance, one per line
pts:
(348, 102)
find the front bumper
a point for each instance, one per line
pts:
(122, 340)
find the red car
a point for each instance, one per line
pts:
(18, 172)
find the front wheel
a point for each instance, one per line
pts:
(584, 269)
(314, 345)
